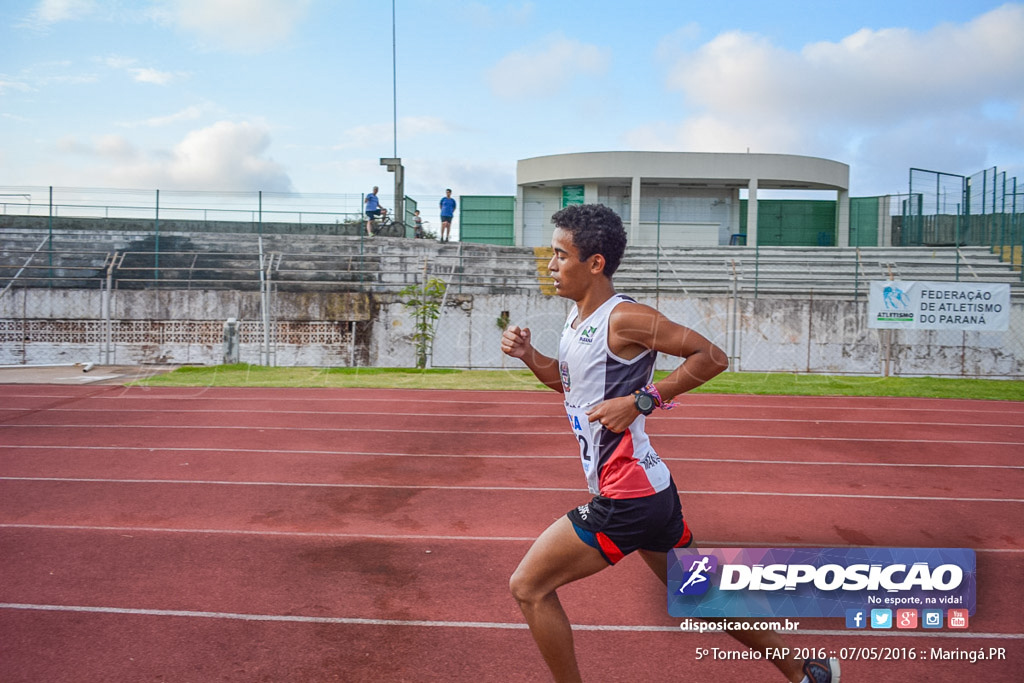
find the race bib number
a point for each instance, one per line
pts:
(585, 433)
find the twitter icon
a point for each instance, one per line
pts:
(881, 618)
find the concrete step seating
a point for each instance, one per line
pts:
(328, 262)
(291, 262)
(825, 270)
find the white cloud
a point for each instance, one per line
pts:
(190, 113)
(6, 85)
(427, 177)
(102, 148)
(890, 92)
(544, 69)
(53, 11)
(142, 74)
(226, 156)
(152, 76)
(245, 26)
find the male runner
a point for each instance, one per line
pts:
(605, 366)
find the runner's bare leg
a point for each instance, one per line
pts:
(556, 558)
(762, 641)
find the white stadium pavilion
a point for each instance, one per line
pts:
(672, 198)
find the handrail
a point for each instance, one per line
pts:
(22, 269)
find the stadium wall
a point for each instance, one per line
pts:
(40, 326)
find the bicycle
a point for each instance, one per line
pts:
(385, 226)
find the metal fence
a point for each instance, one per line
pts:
(156, 275)
(244, 212)
(803, 331)
(984, 209)
(319, 301)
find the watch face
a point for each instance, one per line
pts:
(644, 403)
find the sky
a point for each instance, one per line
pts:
(297, 95)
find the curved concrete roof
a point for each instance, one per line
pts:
(687, 169)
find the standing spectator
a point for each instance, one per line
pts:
(447, 212)
(372, 210)
(417, 225)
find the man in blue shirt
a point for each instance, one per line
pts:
(372, 210)
(447, 212)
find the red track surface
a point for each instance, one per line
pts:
(357, 535)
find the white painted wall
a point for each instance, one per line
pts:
(764, 335)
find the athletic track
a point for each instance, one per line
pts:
(196, 535)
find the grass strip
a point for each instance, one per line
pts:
(767, 383)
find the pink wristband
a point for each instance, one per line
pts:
(653, 391)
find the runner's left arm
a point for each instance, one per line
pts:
(636, 327)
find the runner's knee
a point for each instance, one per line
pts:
(522, 588)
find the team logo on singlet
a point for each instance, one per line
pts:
(563, 371)
(587, 335)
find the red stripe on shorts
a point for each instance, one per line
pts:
(686, 538)
(608, 547)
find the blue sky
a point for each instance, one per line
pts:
(296, 95)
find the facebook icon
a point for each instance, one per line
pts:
(856, 618)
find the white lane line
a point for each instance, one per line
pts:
(698, 400)
(357, 621)
(529, 489)
(266, 532)
(518, 456)
(295, 484)
(517, 433)
(705, 543)
(552, 415)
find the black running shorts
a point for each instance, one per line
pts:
(618, 526)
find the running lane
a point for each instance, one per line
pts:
(318, 535)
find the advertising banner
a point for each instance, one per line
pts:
(818, 582)
(972, 307)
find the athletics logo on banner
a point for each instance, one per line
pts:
(817, 582)
(976, 307)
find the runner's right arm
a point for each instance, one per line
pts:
(515, 342)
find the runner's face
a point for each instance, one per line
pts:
(572, 276)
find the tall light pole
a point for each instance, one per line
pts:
(394, 78)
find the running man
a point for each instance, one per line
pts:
(605, 368)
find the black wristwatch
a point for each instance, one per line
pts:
(643, 401)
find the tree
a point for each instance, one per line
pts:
(425, 302)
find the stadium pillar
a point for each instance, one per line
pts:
(843, 218)
(634, 210)
(394, 165)
(752, 213)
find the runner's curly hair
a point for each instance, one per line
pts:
(595, 229)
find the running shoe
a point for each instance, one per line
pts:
(822, 670)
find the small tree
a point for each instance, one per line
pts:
(425, 302)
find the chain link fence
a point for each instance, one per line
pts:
(796, 334)
(984, 209)
(316, 294)
(350, 312)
